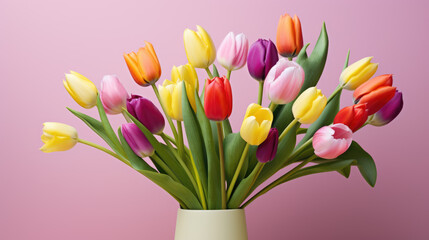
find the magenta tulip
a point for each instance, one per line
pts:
(113, 95)
(146, 112)
(284, 81)
(232, 52)
(389, 111)
(137, 140)
(331, 141)
(261, 58)
(267, 150)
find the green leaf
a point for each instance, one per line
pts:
(215, 71)
(345, 171)
(242, 190)
(319, 168)
(233, 147)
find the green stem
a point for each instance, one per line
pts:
(228, 75)
(126, 117)
(288, 128)
(290, 58)
(261, 92)
(298, 151)
(180, 143)
(273, 107)
(91, 144)
(165, 167)
(222, 163)
(237, 171)
(258, 169)
(173, 129)
(167, 139)
(337, 90)
(209, 73)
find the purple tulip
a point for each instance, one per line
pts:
(137, 140)
(146, 112)
(267, 150)
(261, 58)
(389, 111)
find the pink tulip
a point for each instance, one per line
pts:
(232, 52)
(284, 81)
(113, 95)
(331, 141)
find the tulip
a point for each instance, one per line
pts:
(171, 98)
(187, 74)
(268, 149)
(146, 112)
(137, 140)
(353, 116)
(389, 111)
(256, 124)
(113, 95)
(289, 36)
(144, 65)
(262, 57)
(58, 137)
(358, 73)
(330, 142)
(218, 99)
(284, 81)
(309, 105)
(232, 52)
(375, 93)
(81, 89)
(199, 48)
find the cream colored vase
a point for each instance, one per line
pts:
(211, 225)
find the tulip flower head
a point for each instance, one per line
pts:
(81, 89)
(329, 142)
(232, 52)
(358, 73)
(187, 74)
(146, 112)
(137, 140)
(113, 95)
(261, 58)
(218, 99)
(353, 116)
(171, 98)
(144, 65)
(284, 81)
(389, 111)
(309, 105)
(58, 137)
(199, 48)
(289, 36)
(268, 149)
(256, 124)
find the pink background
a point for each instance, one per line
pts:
(85, 194)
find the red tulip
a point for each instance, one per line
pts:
(218, 99)
(353, 116)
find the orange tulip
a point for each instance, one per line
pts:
(289, 36)
(144, 65)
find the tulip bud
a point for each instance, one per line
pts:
(113, 95)
(171, 98)
(146, 112)
(353, 116)
(375, 93)
(309, 105)
(137, 140)
(284, 81)
(357, 73)
(389, 111)
(144, 66)
(232, 52)
(262, 57)
(289, 36)
(199, 48)
(58, 137)
(268, 149)
(187, 74)
(81, 89)
(256, 124)
(218, 99)
(330, 142)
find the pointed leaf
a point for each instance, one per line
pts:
(233, 148)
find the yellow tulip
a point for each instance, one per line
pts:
(58, 137)
(199, 48)
(357, 73)
(81, 89)
(309, 105)
(256, 124)
(187, 74)
(171, 98)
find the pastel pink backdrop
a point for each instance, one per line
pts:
(85, 194)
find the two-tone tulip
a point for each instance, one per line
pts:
(268, 149)
(58, 137)
(389, 111)
(144, 65)
(289, 36)
(256, 124)
(137, 140)
(284, 81)
(146, 112)
(232, 52)
(187, 74)
(218, 99)
(331, 141)
(353, 116)
(113, 95)
(309, 105)
(358, 73)
(261, 58)
(199, 48)
(81, 89)
(375, 93)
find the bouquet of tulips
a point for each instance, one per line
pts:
(220, 168)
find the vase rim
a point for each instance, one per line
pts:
(212, 210)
